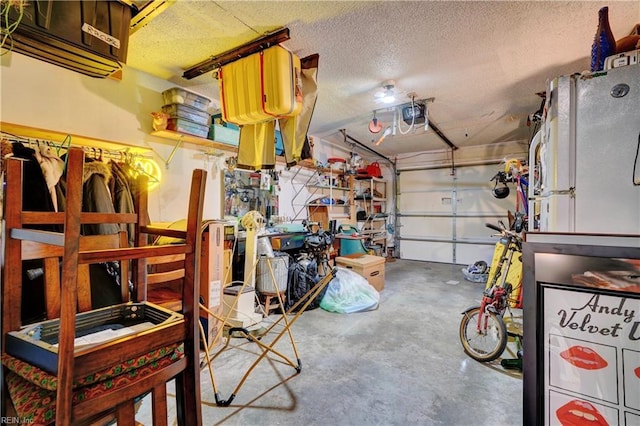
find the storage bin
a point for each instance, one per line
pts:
(188, 127)
(370, 267)
(217, 119)
(279, 143)
(91, 38)
(224, 134)
(177, 95)
(280, 267)
(187, 112)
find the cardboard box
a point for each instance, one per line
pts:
(370, 267)
(211, 276)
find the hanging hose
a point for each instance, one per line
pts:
(413, 118)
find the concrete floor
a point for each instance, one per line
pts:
(401, 364)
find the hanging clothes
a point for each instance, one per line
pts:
(122, 197)
(35, 197)
(257, 146)
(294, 129)
(52, 169)
(5, 151)
(35, 193)
(96, 196)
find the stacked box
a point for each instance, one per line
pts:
(182, 125)
(370, 267)
(187, 112)
(178, 95)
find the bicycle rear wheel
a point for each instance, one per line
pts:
(489, 342)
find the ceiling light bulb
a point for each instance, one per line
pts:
(388, 97)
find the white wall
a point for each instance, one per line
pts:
(41, 95)
(38, 94)
(35, 93)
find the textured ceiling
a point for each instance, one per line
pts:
(483, 62)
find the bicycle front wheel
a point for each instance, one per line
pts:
(488, 342)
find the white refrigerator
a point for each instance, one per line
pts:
(585, 158)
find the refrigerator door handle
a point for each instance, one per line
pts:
(571, 192)
(534, 175)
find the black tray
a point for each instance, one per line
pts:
(37, 343)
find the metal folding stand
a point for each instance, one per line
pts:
(296, 309)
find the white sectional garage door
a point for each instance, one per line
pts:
(442, 216)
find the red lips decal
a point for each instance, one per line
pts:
(637, 371)
(580, 413)
(583, 357)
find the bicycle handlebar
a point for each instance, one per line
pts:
(494, 227)
(504, 231)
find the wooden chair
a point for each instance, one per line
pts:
(165, 275)
(85, 383)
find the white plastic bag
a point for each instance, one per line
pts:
(349, 292)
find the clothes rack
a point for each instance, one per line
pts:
(124, 155)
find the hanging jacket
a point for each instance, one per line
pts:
(35, 193)
(35, 197)
(96, 197)
(52, 168)
(122, 197)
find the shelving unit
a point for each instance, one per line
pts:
(323, 213)
(196, 140)
(372, 198)
(364, 193)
